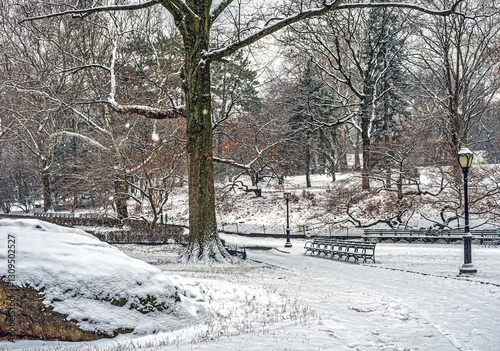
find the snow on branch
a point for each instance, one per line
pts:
(447, 12)
(82, 137)
(233, 163)
(147, 111)
(178, 8)
(97, 9)
(218, 54)
(247, 166)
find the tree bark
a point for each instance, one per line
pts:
(342, 154)
(204, 241)
(308, 167)
(357, 162)
(120, 196)
(365, 175)
(365, 139)
(400, 182)
(47, 201)
(45, 177)
(366, 113)
(388, 177)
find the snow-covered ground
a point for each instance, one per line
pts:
(321, 208)
(93, 282)
(410, 299)
(270, 209)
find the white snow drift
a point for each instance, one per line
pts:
(96, 284)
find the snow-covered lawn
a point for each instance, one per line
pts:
(321, 208)
(410, 299)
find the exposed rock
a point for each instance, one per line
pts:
(24, 316)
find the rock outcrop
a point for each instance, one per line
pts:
(24, 316)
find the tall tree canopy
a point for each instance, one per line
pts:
(197, 21)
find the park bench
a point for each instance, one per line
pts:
(431, 235)
(427, 235)
(341, 248)
(490, 238)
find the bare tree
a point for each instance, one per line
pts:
(195, 20)
(358, 51)
(456, 64)
(19, 177)
(155, 166)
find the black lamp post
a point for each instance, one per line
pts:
(288, 243)
(465, 160)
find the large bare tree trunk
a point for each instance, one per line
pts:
(366, 114)
(365, 139)
(365, 173)
(342, 154)
(204, 241)
(357, 162)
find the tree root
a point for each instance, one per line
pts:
(212, 252)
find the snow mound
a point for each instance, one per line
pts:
(95, 284)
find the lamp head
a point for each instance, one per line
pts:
(287, 195)
(465, 157)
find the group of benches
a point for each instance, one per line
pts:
(342, 249)
(365, 250)
(487, 237)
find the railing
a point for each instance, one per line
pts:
(279, 230)
(70, 215)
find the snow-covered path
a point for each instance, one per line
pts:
(411, 299)
(369, 307)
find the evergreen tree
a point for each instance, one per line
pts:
(384, 51)
(310, 139)
(386, 41)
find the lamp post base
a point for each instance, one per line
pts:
(468, 268)
(288, 243)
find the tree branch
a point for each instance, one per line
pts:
(228, 50)
(88, 11)
(450, 11)
(147, 111)
(82, 137)
(218, 10)
(178, 8)
(218, 54)
(232, 163)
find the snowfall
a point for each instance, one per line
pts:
(411, 298)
